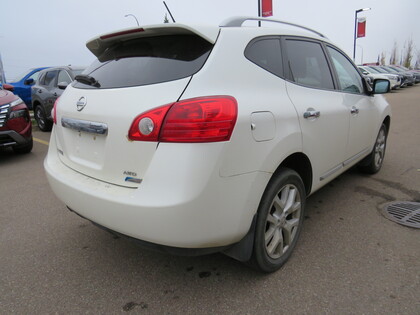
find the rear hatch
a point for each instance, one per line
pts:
(136, 70)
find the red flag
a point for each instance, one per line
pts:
(361, 27)
(267, 8)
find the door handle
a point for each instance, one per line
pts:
(354, 110)
(310, 113)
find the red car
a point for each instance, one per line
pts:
(15, 122)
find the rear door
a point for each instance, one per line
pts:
(324, 119)
(45, 89)
(95, 113)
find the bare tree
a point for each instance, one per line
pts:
(408, 54)
(383, 57)
(394, 54)
(417, 66)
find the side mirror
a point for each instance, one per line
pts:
(381, 86)
(8, 87)
(29, 81)
(367, 82)
(62, 85)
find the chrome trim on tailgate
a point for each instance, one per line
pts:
(85, 126)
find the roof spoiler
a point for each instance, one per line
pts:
(99, 44)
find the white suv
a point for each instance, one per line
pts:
(193, 140)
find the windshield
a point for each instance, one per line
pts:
(381, 70)
(374, 70)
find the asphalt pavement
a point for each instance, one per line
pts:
(350, 259)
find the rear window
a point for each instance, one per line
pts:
(148, 60)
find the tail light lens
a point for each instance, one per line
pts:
(54, 112)
(203, 119)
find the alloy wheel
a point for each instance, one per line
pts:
(282, 221)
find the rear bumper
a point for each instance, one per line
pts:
(162, 248)
(179, 210)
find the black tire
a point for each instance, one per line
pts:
(43, 123)
(280, 219)
(373, 162)
(23, 149)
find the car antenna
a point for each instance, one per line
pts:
(173, 20)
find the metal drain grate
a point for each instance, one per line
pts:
(403, 212)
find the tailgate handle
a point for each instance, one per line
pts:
(84, 125)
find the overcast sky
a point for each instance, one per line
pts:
(36, 33)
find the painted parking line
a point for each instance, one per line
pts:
(41, 141)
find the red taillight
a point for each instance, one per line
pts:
(54, 112)
(150, 121)
(203, 119)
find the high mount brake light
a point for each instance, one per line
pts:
(202, 119)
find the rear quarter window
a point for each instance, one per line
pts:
(266, 53)
(148, 60)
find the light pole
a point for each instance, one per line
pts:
(133, 17)
(355, 30)
(361, 60)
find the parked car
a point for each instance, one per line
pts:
(49, 87)
(415, 73)
(22, 84)
(394, 80)
(379, 69)
(194, 139)
(409, 78)
(15, 122)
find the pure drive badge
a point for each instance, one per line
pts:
(132, 177)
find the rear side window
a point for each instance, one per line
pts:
(266, 53)
(148, 60)
(308, 65)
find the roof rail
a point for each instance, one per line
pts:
(239, 20)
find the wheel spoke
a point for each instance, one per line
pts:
(284, 195)
(276, 245)
(289, 230)
(295, 207)
(290, 201)
(279, 205)
(269, 235)
(271, 219)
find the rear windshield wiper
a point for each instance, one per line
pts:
(87, 79)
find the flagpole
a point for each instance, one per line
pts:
(259, 12)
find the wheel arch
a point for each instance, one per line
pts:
(387, 123)
(301, 164)
(35, 103)
(298, 162)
